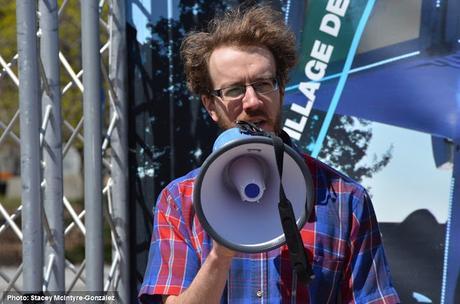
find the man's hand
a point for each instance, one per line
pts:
(209, 283)
(222, 252)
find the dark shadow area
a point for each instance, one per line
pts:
(415, 252)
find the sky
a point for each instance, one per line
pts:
(411, 180)
(141, 12)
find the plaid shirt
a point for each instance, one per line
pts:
(342, 239)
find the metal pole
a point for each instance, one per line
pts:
(29, 103)
(119, 141)
(172, 146)
(451, 276)
(93, 149)
(52, 150)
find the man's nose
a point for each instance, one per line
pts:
(251, 100)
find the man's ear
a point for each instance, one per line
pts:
(281, 95)
(209, 104)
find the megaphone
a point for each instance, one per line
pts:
(237, 191)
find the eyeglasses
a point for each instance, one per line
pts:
(262, 86)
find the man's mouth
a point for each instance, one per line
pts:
(258, 123)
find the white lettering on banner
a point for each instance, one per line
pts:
(309, 90)
(338, 7)
(321, 51)
(297, 126)
(301, 110)
(315, 69)
(292, 133)
(330, 24)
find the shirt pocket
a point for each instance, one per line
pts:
(328, 273)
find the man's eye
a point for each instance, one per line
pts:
(263, 86)
(233, 92)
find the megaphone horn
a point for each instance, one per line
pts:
(247, 176)
(237, 191)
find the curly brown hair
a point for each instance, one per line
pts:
(255, 26)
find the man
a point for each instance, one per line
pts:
(240, 69)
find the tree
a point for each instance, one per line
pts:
(192, 128)
(346, 145)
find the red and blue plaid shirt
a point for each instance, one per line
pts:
(342, 239)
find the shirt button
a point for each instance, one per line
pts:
(259, 293)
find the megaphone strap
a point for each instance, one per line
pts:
(279, 155)
(298, 256)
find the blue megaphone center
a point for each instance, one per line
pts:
(252, 190)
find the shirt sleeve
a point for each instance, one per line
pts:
(366, 276)
(172, 262)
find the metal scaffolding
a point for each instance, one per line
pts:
(47, 216)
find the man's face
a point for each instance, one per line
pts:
(232, 66)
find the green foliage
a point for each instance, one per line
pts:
(70, 47)
(71, 100)
(8, 28)
(10, 204)
(8, 90)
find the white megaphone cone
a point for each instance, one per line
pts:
(237, 191)
(246, 175)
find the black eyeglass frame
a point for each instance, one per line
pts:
(218, 92)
